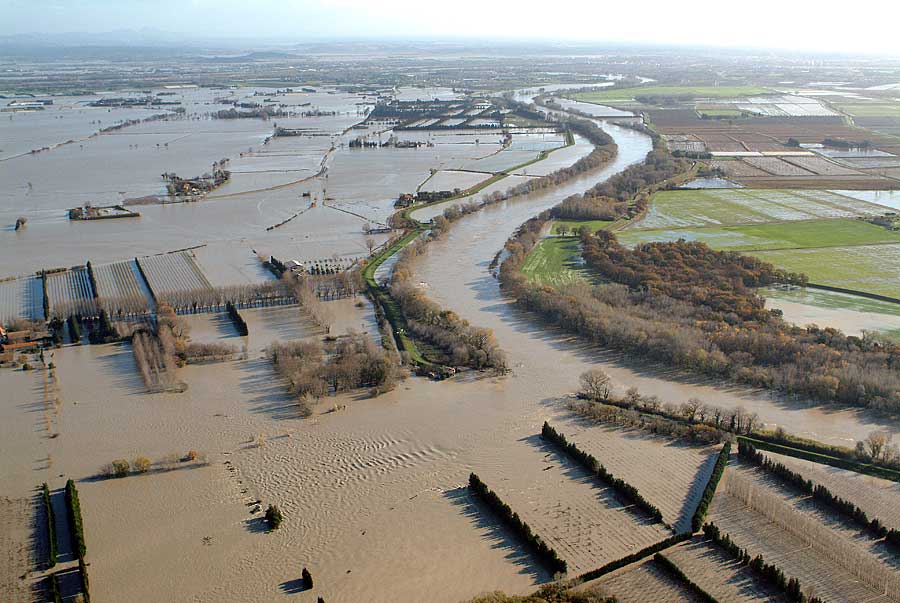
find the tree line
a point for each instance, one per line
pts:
(589, 462)
(826, 543)
(239, 323)
(693, 420)
(76, 525)
(820, 493)
(543, 551)
(50, 516)
(769, 572)
(554, 592)
(461, 343)
(710, 491)
(673, 569)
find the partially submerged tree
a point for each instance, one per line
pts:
(595, 384)
(273, 517)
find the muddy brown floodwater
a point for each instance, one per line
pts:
(372, 490)
(546, 363)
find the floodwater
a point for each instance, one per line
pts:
(267, 187)
(546, 364)
(372, 490)
(592, 109)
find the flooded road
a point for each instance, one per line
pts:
(546, 363)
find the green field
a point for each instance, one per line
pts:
(720, 112)
(850, 254)
(555, 261)
(779, 235)
(594, 225)
(832, 300)
(870, 109)
(873, 269)
(628, 94)
(714, 207)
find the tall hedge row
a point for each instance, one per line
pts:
(711, 485)
(51, 524)
(594, 466)
(546, 554)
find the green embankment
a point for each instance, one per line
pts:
(381, 296)
(555, 261)
(628, 94)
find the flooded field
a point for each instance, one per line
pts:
(248, 441)
(546, 365)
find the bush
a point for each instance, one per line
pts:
(307, 579)
(120, 467)
(141, 464)
(274, 518)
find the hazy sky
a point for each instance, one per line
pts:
(824, 25)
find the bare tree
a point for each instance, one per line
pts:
(876, 442)
(595, 384)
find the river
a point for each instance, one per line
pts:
(546, 363)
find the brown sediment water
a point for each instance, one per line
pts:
(372, 490)
(547, 363)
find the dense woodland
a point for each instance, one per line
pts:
(687, 306)
(353, 361)
(625, 194)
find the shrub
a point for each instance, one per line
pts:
(120, 467)
(141, 464)
(307, 579)
(274, 517)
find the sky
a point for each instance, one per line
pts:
(822, 26)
